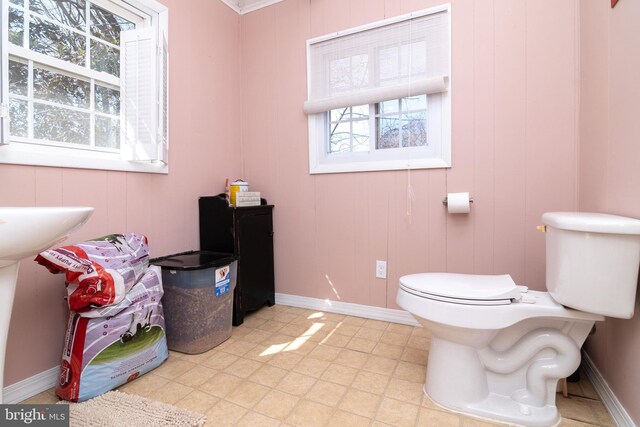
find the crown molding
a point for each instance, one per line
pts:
(232, 4)
(258, 5)
(250, 8)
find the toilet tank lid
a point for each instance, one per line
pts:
(463, 286)
(592, 222)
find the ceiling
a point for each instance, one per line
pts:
(246, 6)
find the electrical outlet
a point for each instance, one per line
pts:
(381, 269)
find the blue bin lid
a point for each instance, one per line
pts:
(194, 260)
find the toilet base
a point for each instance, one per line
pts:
(467, 376)
(501, 408)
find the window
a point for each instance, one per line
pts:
(379, 97)
(85, 84)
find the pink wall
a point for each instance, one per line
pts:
(205, 148)
(520, 75)
(514, 148)
(609, 159)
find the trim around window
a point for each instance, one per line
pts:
(43, 155)
(323, 96)
(25, 152)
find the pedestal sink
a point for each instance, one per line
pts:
(24, 232)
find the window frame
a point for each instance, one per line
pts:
(4, 72)
(429, 157)
(27, 151)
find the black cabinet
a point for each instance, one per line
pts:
(248, 233)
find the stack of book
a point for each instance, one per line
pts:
(247, 198)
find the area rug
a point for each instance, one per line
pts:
(117, 409)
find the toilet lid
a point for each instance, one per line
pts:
(464, 288)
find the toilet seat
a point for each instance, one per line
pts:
(417, 295)
(469, 289)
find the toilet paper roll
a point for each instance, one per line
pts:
(458, 203)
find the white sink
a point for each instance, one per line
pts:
(24, 232)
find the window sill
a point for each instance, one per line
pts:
(380, 165)
(26, 154)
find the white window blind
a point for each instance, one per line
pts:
(4, 73)
(163, 100)
(384, 62)
(143, 63)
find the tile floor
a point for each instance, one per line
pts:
(290, 366)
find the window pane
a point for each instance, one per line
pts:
(402, 122)
(107, 132)
(360, 111)
(16, 26)
(68, 12)
(18, 111)
(107, 100)
(418, 61)
(349, 73)
(349, 136)
(61, 89)
(340, 114)
(349, 129)
(360, 136)
(60, 124)
(105, 58)
(405, 60)
(400, 62)
(347, 113)
(53, 40)
(388, 60)
(18, 78)
(340, 138)
(388, 133)
(108, 26)
(414, 132)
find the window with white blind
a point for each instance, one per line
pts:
(379, 96)
(85, 84)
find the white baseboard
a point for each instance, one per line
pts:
(620, 417)
(31, 386)
(358, 310)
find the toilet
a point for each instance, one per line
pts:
(498, 349)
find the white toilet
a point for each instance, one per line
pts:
(497, 349)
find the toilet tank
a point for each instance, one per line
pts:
(593, 261)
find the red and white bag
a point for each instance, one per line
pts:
(99, 272)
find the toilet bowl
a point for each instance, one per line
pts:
(498, 349)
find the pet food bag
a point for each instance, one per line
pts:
(103, 353)
(99, 272)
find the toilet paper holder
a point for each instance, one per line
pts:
(445, 201)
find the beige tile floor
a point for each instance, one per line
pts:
(290, 366)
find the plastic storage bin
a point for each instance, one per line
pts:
(198, 299)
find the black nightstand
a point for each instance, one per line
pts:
(248, 233)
